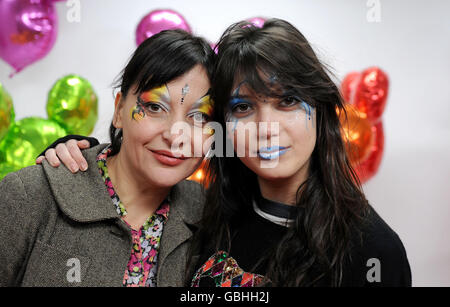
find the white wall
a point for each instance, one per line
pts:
(411, 43)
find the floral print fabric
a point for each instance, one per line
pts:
(142, 266)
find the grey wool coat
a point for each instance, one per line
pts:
(62, 229)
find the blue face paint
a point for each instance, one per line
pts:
(308, 111)
(234, 101)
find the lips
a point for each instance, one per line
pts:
(167, 158)
(270, 153)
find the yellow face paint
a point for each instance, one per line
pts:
(158, 95)
(205, 105)
(137, 112)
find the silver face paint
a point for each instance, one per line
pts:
(184, 92)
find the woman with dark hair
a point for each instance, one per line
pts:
(62, 229)
(288, 211)
(291, 212)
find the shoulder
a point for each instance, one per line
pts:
(27, 181)
(378, 236)
(189, 186)
(379, 245)
(188, 196)
(26, 196)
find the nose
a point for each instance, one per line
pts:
(175, 131)
(267, 124)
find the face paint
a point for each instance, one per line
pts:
(272, 80)
(159, 96)
(184, 92)
(309, 112)
(138, 112)
(204, 105)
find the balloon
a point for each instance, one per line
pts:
(26, 139)
(349, 85)
(369, 167)
(157, 21)
(28, 31)
(257, 21)
(357, 134)
(5, 169)
(214, 47)
(6, 111)
(72, 103)
(371, 93)
(200, 175)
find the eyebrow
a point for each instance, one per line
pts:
(161, 93)
(201, 103)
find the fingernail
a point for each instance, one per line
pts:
(84, 166)
(74, 168)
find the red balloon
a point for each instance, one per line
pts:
(369, 167)
(357, 134)
(349, 84)
(371, 93)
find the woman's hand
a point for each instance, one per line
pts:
(69, 153)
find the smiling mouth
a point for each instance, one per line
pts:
(270, 153)
(167, 158)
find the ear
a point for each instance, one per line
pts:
(118, 106)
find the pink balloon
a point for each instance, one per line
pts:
(257, 21)
(27, 32)
(214, 47)
(157, 21)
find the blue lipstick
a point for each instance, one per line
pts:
(270, 153)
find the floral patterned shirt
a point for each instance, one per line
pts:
(142, 266)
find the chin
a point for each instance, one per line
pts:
(279, 172)
(166, 177)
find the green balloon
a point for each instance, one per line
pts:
(72, 103)
(6, 111)
(26, 139)
(5, 169)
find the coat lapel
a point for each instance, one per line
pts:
(185, 210)
(92, 201)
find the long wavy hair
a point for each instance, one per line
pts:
(330, 203)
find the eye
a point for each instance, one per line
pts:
(200, 118)
(290, 101)
(153, 107)
(241, 108)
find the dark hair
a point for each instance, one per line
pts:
(159, 60)
(330, 202)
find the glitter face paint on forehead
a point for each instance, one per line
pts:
(184, 92)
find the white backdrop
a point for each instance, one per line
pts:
(411, 43)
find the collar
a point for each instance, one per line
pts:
(275, 212)
(83, 196)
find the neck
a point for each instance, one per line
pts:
(283, 190)
(140, 198)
